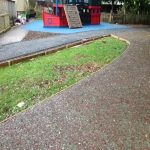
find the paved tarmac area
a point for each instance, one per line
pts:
(109, 110)
(18, 49)
(13, 35)
(27, 47)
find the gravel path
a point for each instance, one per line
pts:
(108, 110)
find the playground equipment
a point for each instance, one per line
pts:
(72, 13)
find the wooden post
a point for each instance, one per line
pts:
(56, 7)
(4, 22)
(110, 18)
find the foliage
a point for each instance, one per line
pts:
(133, 6)
(26, 6)
(38, 13)
(137, 6)
(110, 1)
(32, 3)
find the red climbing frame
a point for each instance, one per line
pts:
(60, 19)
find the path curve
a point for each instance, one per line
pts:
(108, 110)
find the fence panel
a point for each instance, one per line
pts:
(12, 12)
(118, 18)
(4, 16)
(105, 17)
(125, 19)
(3, 6)
(2, 27)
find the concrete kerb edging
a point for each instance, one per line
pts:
(92, 39)
(53, 50)
(121, 39)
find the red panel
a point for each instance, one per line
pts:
(60, 10)
(95, 14)
(63, 21)
(59, 5)
(95, 19)
(52, 20)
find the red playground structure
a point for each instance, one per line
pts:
(70, 13)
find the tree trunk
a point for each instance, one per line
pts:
(112, 11)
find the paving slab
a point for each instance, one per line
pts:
(109, 110)
(15, 34)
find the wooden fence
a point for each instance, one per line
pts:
(12, 12)
(7, 14)
(125, 19)
(4, 16)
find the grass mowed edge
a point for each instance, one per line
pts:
(37, 79)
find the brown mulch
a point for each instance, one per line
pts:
(37, 34)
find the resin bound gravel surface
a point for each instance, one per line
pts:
(109, 110)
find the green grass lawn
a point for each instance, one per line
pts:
(41, 77)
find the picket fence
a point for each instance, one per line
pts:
(125, 19)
